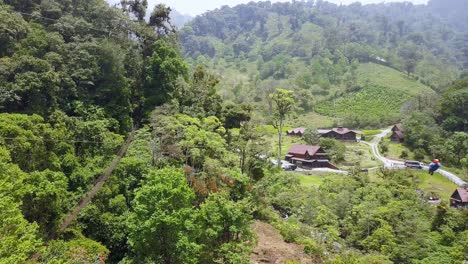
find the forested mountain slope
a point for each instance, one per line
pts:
(315, 48)
(77, 76)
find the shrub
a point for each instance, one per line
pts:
(404, 154)
(419, 154)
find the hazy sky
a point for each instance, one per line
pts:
(196, 7)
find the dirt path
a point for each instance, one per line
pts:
(271, 247)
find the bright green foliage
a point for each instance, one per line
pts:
(78, 250)
(11, 177)
(19, 238)
(222, 224)
(161, 226)
(357, 221)
(46, 199)
(23, 136)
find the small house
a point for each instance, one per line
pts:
(397, 133)
(307, 156)
(299, 131)
(340, 133)
(459, 198)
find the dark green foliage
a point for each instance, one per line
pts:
(453, 104)
(162, 70)
(440, 129)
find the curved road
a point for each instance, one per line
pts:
(395, 164)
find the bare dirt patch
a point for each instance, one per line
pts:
(271, 248)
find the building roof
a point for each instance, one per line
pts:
(302, 149)
(463, 194)
(339, 130)
(297, 130)
(398, 127)
(399, 134)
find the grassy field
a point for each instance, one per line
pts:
(371, 132)
(316, 178)
(358, 154)
(395, 149)
(437, 184)
(384, 91)
(310, 180)
(392, 79)
(315, 119)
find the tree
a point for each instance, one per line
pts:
(334, 148)
(162, 70)
(137, 7)
(222, 221)
(161, 225)
(12, 29)
(284, 103)
(250, 145)
(161, 20)
(411, 55)
(311, 135)
(47, 198)
(19, 237)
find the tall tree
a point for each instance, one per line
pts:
(283, 104)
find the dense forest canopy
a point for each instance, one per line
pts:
(80, 81)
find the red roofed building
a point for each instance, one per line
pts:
(340, 133)
(459, 198)
(309, 157)
(299, 131)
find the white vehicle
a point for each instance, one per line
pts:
(287, 166)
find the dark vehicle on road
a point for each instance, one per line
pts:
(413, 164)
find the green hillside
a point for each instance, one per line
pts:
(328, 55)
(384, 91)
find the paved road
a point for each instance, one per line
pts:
(395, 164)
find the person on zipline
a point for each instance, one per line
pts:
(435, 165)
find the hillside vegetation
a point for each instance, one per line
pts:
(384, 91)
(323, 52)
(80, 78)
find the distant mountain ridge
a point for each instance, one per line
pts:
(179, 19)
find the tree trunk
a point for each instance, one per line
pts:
(280, 133)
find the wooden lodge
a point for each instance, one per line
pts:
(340, 133)
(397, 133)
(459, 198)
(306, 156)
(299, 131)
